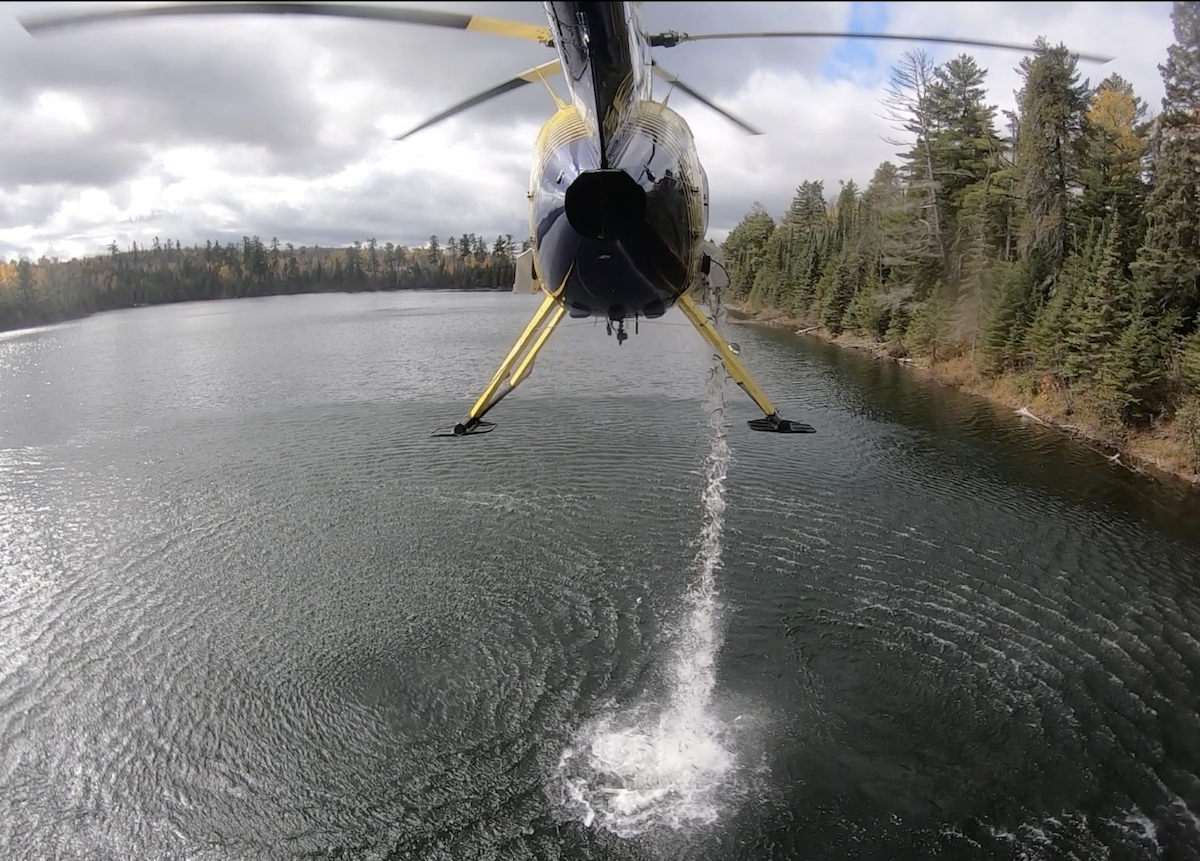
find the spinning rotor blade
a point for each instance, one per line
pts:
(704, 100)
(529, 76)
(36, 24)
(671, 39)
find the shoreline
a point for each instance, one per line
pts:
(1156, 453)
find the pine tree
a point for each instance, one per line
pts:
(1097, 316)
(1052, 103)
(1170, 258)
(1045, 339)
(918, 242)
(744, 249)
(1006, 311)
(929, 332)
(808, 208)
(1189, 361)
(972, 247)
(866, 312)
(769, 275)
(1127, 375)
(1111, 170)
(1187, 417)
(25, 281)
(800, 234)
(807, 265)
(966, 146)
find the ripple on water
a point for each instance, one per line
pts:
(231, 626)
(244, 661)
(1059, 684)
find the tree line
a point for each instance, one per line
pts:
(43, 291)
(1057, 247)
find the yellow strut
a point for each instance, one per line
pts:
(519, 362)
(733, 365)
(516, 365)
(539, 316)
(738, 373)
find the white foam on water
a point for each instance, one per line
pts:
(666, 764)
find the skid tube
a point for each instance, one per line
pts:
(515, 368)
(771, 422)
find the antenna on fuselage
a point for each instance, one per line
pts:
(559, 103)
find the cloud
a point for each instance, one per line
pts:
(193, 129)
(30, 206)
(181, 84)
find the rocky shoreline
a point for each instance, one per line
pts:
(1157, 452)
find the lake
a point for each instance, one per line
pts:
(251, 609)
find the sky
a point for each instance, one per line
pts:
(201, 128)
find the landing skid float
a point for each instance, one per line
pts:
(518, 364)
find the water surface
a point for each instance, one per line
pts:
(249, 609)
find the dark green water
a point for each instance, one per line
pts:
(249, 609)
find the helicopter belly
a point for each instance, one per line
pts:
(624, 241)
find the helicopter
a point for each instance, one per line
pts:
(618, 197)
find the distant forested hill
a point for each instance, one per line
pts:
(36, 292)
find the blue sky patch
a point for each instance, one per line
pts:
(855, 59)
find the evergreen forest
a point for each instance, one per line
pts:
(1054, 250)
(33, 293)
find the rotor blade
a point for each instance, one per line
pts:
(537, 73)
(671, 39)
(704, 100)
(36, 24)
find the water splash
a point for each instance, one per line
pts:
(666, 764)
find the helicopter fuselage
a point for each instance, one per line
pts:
(618, 197)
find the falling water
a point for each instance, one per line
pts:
(665, 764)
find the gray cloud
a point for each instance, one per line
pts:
(248, 80)
(405, 210)
(724, 67)
(32, 207)
(30, 157)
(309, 99)
(437, 66)
(174, 84)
